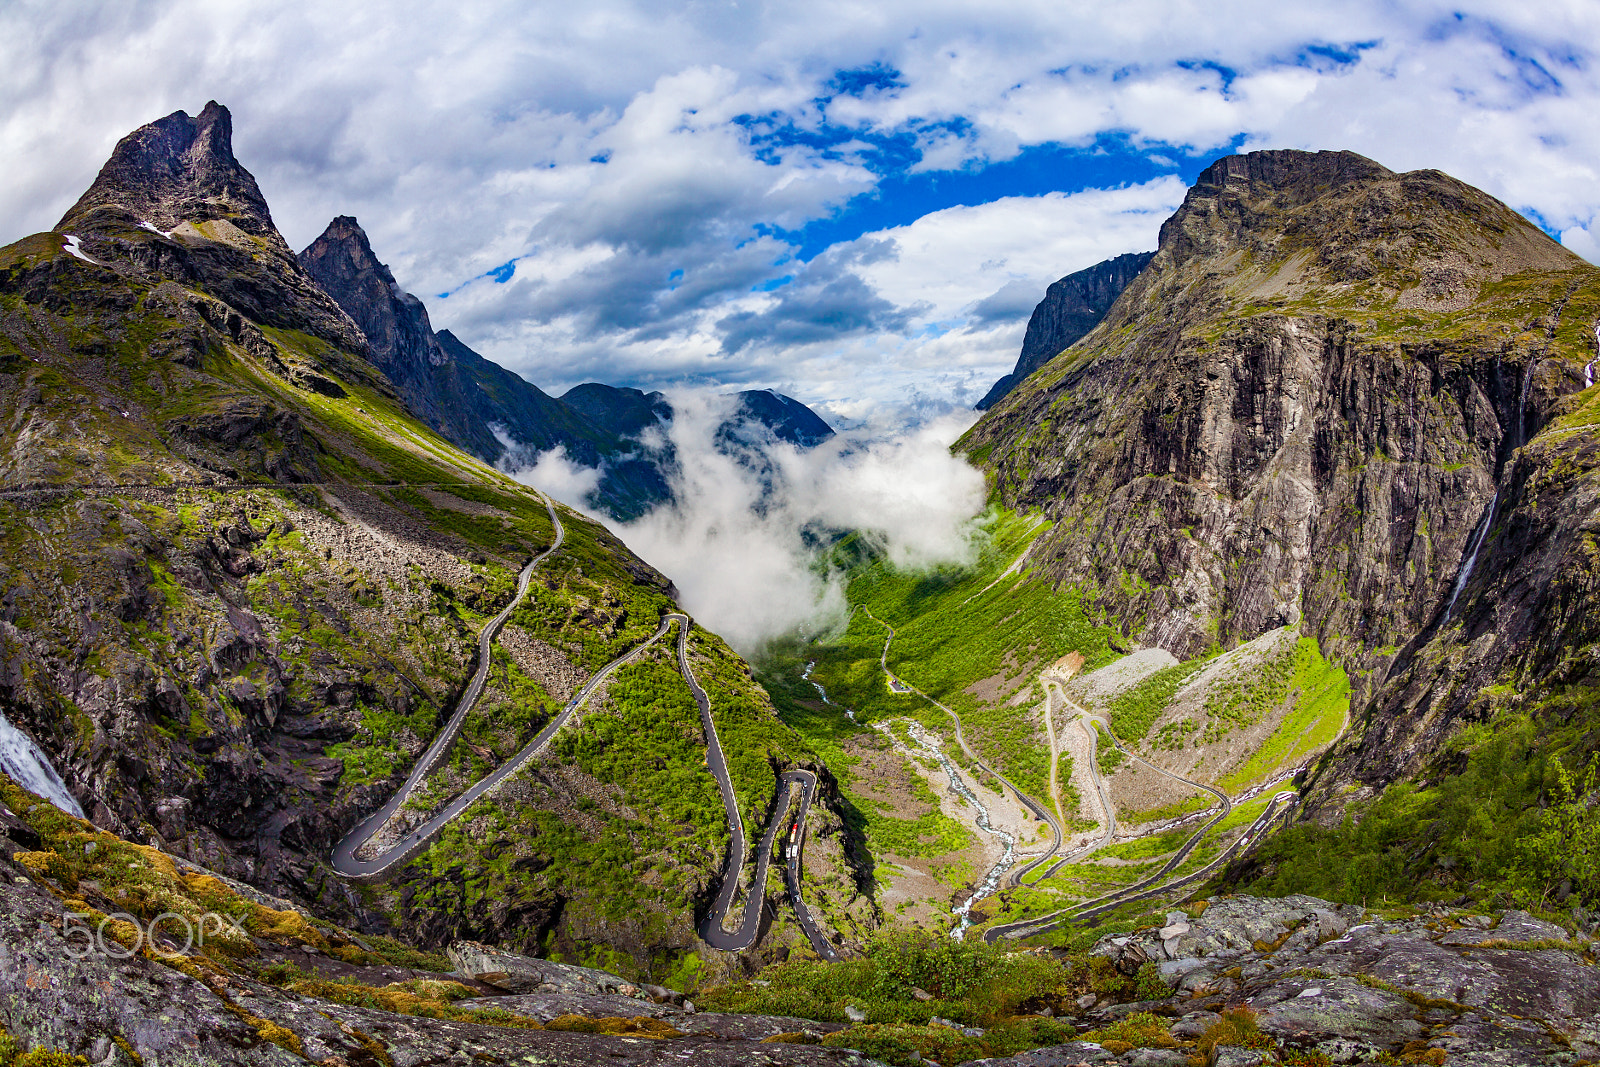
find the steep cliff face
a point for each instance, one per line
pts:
(1342, 397)
(1071, 308)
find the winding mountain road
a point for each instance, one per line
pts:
(346, 861)
(1092, 909)
(1051, 691)
(1146, 887)
(1040, 812)
(712, 928)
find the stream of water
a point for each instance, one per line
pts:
(929, 744)
(30, 768)
(1472, 557)
(823, 693)
(1494, 502)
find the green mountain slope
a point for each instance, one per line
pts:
(244, 583)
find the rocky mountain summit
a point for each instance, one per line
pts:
(1071, 308)
(471, 401)
(172, 201)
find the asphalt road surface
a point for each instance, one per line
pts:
(712, 928)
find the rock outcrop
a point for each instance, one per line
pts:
(1311, 978)
(62, 991)
(1070, 309)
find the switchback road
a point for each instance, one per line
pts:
(711, 928)
(1144, 888)
(347, 863)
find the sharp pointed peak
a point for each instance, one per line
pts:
(177, 169)
(343, 239)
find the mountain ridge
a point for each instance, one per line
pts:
(501, 417)
(1331, 387)
(1072, 306)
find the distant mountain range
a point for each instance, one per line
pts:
(503, 418)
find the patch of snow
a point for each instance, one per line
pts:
(143, 225)
(72, 248)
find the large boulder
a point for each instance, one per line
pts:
(516, 973)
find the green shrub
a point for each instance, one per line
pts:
(1237, 1026)
(1139, 1030)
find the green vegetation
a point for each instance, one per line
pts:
(12, 1054)
(1244, 694)
(1319, 692)
(1139, 1030)
(1513, 825)
(1107, 756)
(956, 627)
(633, 834)
(1134, 710)
(1174, 810)
(633, 839)
(933, 834)
(647, 742)
(969, 982)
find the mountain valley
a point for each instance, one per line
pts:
(1271, 667)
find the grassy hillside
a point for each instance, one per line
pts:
(973, 638)
(241, 640)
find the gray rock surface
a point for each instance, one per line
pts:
(1359, 988)
(525, 974)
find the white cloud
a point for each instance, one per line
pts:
(554, 474)
(733, 541)
(1032, 239)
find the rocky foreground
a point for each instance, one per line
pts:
(1251, 981)
(1300, 980)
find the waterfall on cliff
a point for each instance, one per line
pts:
(30, 768)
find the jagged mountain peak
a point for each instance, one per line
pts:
(177, 169)
(345, 238)
(395, 322)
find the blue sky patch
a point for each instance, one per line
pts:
(903, 198)
(874, 77)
